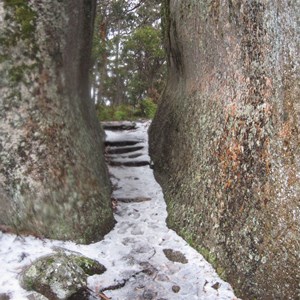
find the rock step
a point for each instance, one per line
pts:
(121, 143)
(141, 163)
(119, 126)
(135, 199)
(123, 150)
(135, 155)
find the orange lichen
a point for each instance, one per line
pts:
(286, 130)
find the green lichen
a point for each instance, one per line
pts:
(89, 266)
(29, 280)
(194, 242)
(19, 33)
(185, 221)
(16, 74)
(24, 16)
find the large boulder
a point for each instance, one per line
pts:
(53, 179)
(225, 140)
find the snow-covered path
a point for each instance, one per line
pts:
(144, 259)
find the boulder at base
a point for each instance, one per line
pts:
(60, 276)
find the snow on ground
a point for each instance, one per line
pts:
(133, 252)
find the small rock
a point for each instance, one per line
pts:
(175, 288)
(4, 297)
(142, 248)
(162, 277)
(128, 240)
(148, 269)
(216, 286)
(149, 295)
(175, 256)
(88, 265)
(135, 215)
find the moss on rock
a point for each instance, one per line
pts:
(59, 276)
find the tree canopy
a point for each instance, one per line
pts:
(128, 56)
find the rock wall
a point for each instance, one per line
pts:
(225, 140)
(53, 179)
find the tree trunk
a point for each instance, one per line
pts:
(102, 61)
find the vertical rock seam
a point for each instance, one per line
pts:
(53, 179)
(225, 140)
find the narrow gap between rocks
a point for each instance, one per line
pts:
(142, 257)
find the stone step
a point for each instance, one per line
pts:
(135, 199)
(130, 163)
(121, 143)
(119, 126)
(123, 150)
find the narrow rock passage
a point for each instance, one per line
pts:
(150, 260)
(144, 259)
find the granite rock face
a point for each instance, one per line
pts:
(225, 140)
(53, 179)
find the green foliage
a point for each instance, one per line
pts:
(16, 74)
(128, 56)
(148, 108)
(146, 41)
(116, 113)
(145, 56)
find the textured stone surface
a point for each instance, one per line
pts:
(225, 141)
(53, 179)
(36, 296)
(60, 276)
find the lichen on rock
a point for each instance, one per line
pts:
(53, 178)
(225, 140)
(59, 276)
